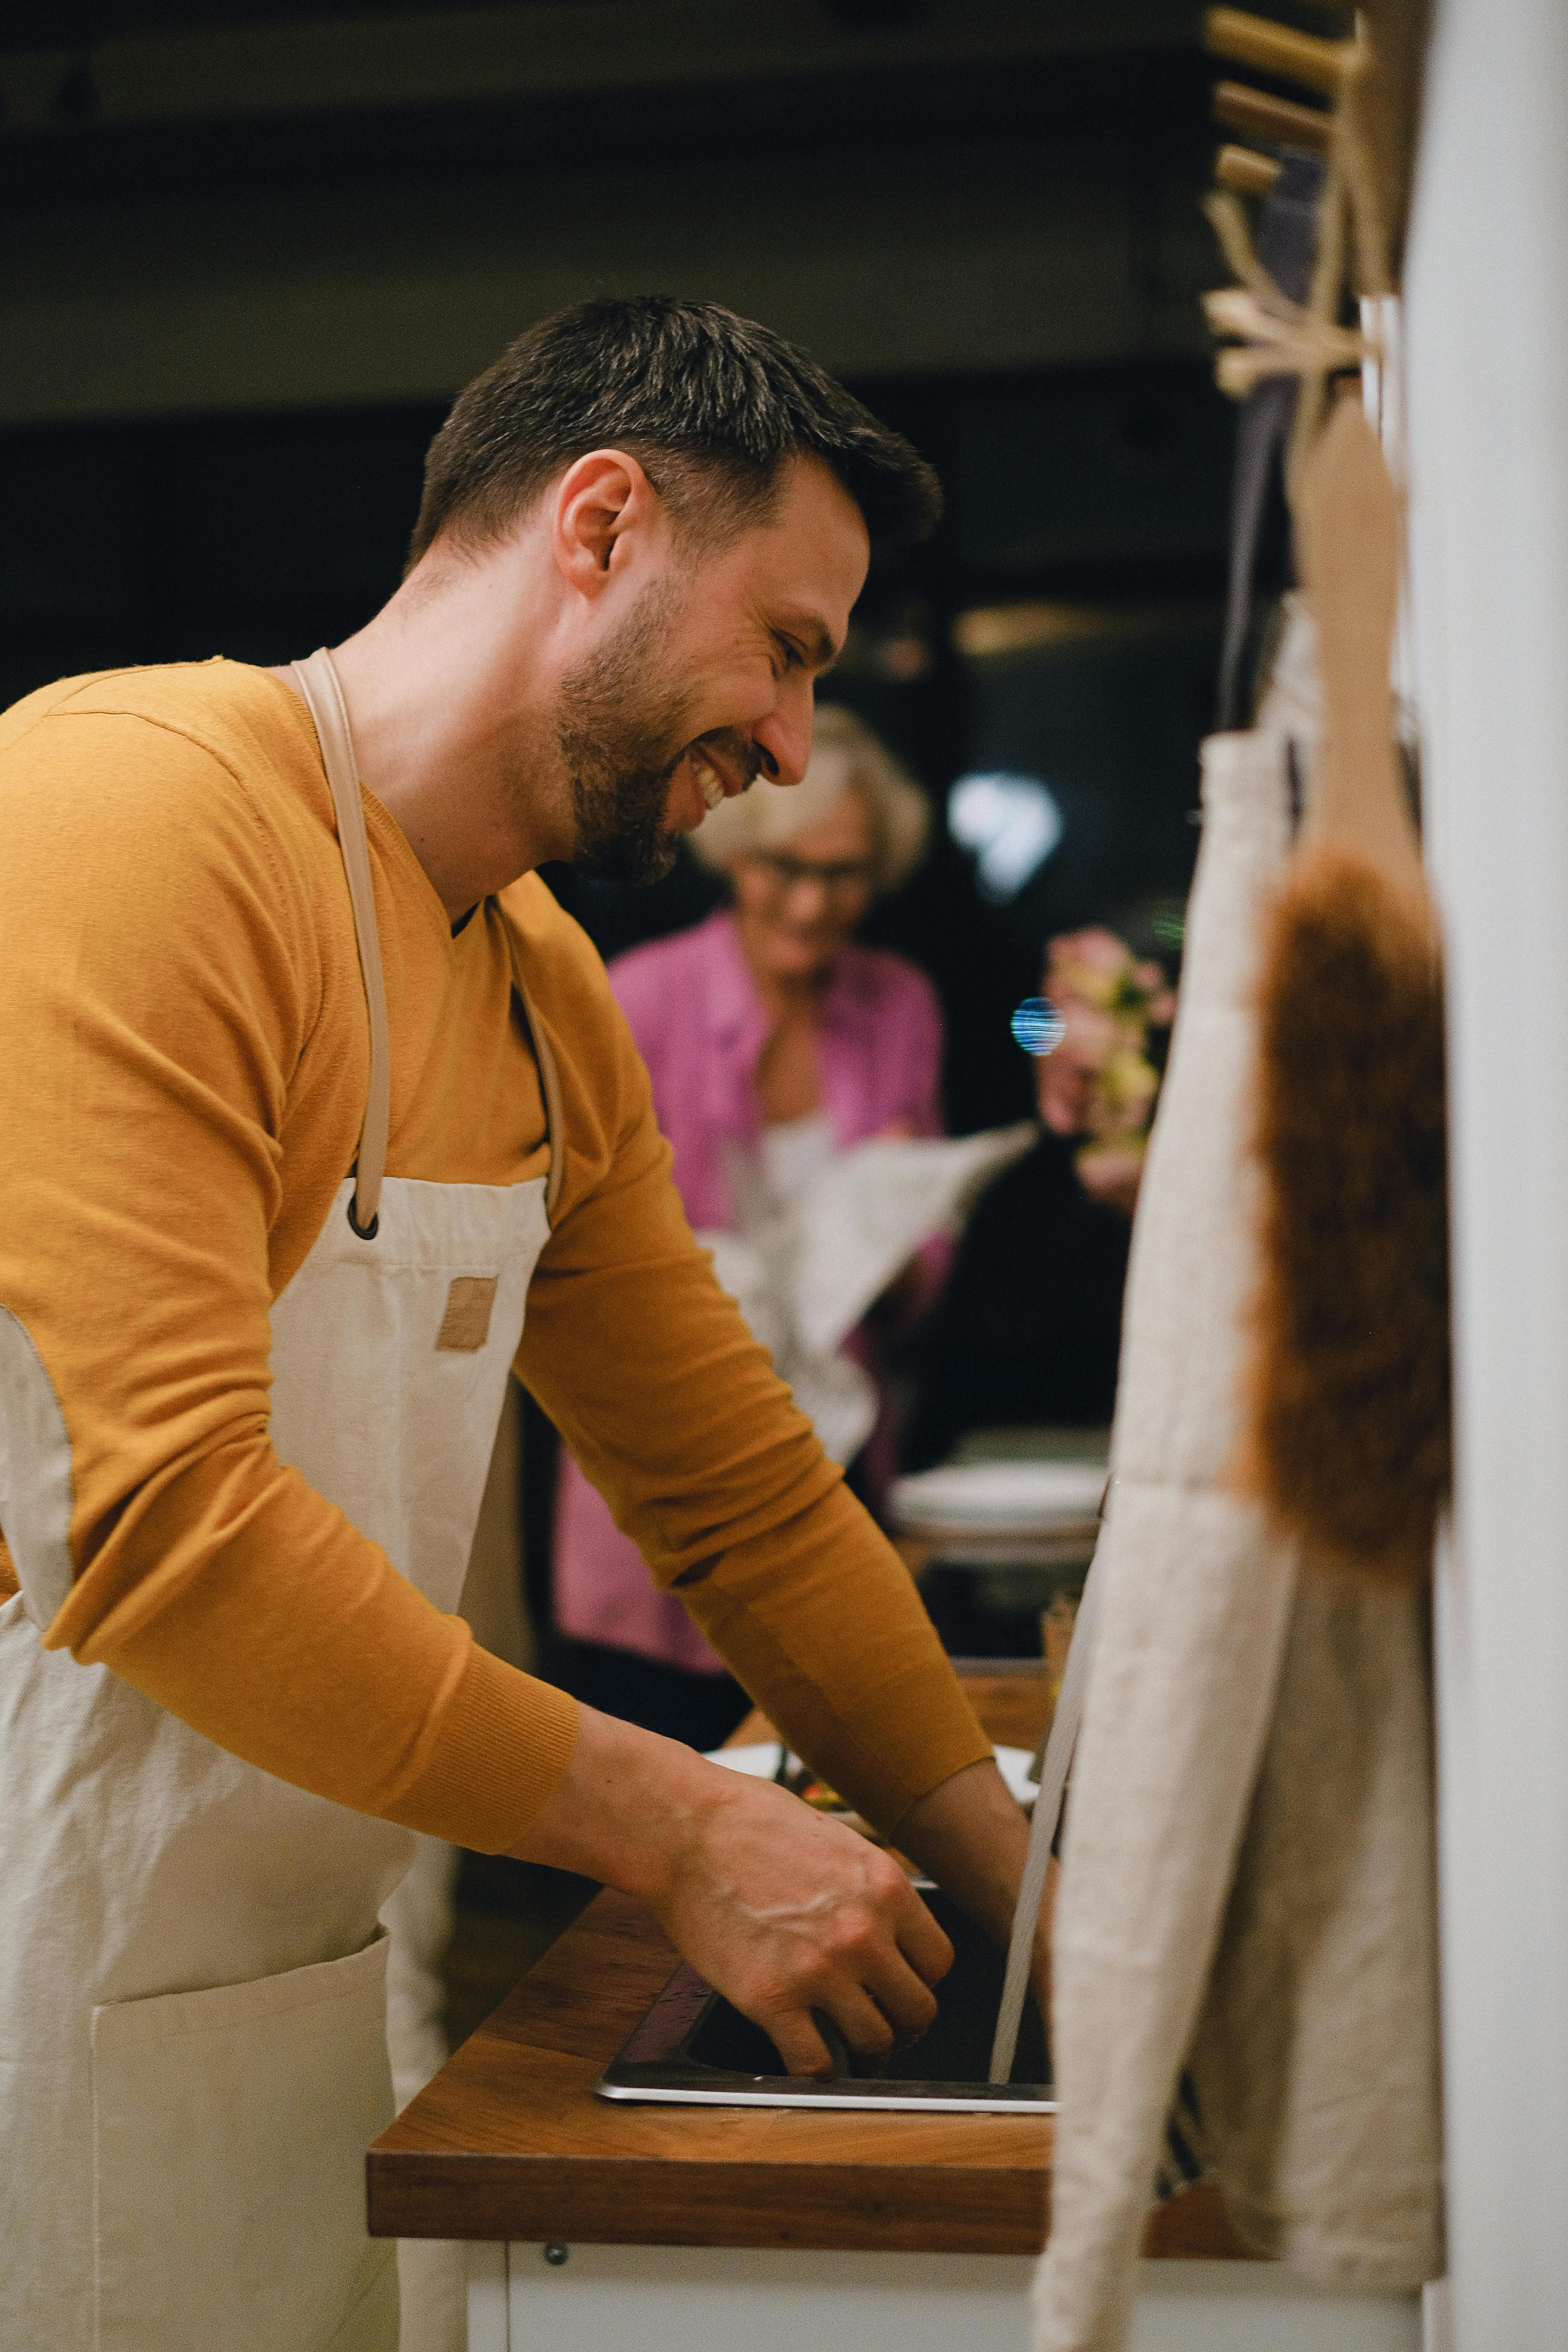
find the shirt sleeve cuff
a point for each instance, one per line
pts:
(506, 1740)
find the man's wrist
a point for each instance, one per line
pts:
(682, 1804)
(630, 1810)
(972, 1836)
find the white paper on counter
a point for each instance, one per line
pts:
(760, 1763)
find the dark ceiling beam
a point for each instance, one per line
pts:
(1005, 184)
(1148, 104)
(475, 56)
(1010, 256)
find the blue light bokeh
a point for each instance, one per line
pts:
(1038, 1025)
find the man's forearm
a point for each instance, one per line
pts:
(972, 1837)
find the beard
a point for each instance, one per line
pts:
(622, 723)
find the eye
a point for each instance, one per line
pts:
(790, 652)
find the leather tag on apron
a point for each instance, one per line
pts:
(466, 1325)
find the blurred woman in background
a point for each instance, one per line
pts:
(773, 1041)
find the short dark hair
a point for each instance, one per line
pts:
(709, 404)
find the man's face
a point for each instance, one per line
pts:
(707, 681)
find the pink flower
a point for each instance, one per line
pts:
(1099, 1078)
(1098, 1081)
(1089, 1036)
(1092, 963)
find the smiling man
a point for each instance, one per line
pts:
(319, 1116)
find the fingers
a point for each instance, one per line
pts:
(863, 2025)
(833, 2039)
(894, 1948)
(804, 2039)
(904, 2001)
(860, 1981)
(923, 1943)
(877, 1990)
(900, 1982)
(797, 2040)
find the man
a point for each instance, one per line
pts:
(317, 1118)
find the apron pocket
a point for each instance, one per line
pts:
(229, 2133)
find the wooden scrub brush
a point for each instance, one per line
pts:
(1347, 1410)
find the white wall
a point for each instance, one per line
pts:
(1488, 291)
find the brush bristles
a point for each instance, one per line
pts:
(1347, 1412)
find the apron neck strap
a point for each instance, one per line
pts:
(548, 1077)
(324, 696)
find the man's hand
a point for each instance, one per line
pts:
(972, 1837)
(1064, 1089)
(782, 1910)
(1112, 1177)
(788, 1911)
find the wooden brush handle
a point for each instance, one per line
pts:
(1348, 531)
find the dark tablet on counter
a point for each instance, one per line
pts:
(692, 2049)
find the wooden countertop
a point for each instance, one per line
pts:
(508, 2141)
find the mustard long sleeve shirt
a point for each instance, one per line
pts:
(183, 1054)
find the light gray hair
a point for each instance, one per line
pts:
(845, 757)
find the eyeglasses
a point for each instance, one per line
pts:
(843, 878)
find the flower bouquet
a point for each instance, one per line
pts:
(1103, 1085)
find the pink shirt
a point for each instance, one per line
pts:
(701, 1027)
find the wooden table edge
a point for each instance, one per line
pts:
(600, 2202)
(594, 2201)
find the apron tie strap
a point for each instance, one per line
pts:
(324, 696)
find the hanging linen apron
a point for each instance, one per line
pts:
(193, 2055)
(1246, 1903)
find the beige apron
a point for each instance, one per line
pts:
(192, 2057)
(1246, 1884)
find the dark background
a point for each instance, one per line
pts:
(254, 249)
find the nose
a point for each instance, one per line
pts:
(807, 897)
(784, 737)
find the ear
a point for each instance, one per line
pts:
(605, 511)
